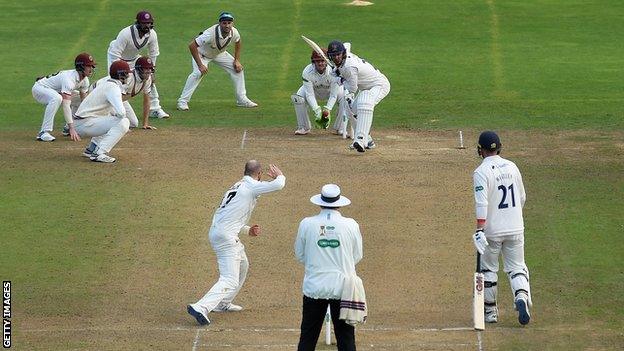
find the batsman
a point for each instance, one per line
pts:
(499, 199)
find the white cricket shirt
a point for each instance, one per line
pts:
(359, 74)
(236, 208)
(211, 42)
(499, 196)
(329, 245)
(127, 45)
(323, 84)
(64, 82)
(104, 100)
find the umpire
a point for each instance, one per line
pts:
(329, 246)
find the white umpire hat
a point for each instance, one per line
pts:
(330, 197)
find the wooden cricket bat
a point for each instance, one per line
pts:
(318, 50)
(478, 301)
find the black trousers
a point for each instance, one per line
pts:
(312, 321)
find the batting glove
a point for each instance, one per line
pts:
(480, 242)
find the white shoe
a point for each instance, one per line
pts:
(491, 314)
(102, 158)
(371, 144)
(65, 130)
(45, 136)
(230, 307)
(302, 131)
(182, 106)
(158, 113)
(246, 103)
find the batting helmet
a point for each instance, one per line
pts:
(316, 57)
(144, 63)
(490, 141)
(83, 60)
(119, 70)
(335, 47)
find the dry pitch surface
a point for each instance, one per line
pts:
(412, 197)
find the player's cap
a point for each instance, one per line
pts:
(330, 197)
(84, 59)
(144, 17)
(489, 140)
(226, 16)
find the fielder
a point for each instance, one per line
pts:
(55, 90)
(365, 86)
(499, 199)
(126, 47)
(230, 221)
(102, 115)
(318, 83)
(210, 46)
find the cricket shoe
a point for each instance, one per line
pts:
(45, 136)
(182, 106)
(65, 130)
(359, 145)
(104, 158)
(229, 307)
(371, 145)
(199, 317)
(158, 113)
(302, 131)
(522, 307)
(491, 315)
(246, 103)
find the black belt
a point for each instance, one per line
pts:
(78, 117)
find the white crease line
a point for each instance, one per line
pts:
(256, 330)
(237, 346)
(243, 140)
(479, 341)
(196, 340)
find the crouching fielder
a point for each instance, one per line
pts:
(365, 86)
(318, 83)
(102, 115)
(499, 198)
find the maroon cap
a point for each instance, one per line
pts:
(144, 16)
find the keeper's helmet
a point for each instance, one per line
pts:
(490, 141)
(316, 57)
(334, 48)
(83, 60)
(119, 70)
(144, 66)
(144, 22)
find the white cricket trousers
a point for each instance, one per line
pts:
(154, 96)
(233, 266)
(52, 99)
(105, 131)
(512, 249)
(223, 60)
(364, 104)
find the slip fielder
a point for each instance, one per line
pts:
(129, 42)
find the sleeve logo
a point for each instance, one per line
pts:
(478, 188)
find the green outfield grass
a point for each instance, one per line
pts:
(527, 66)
